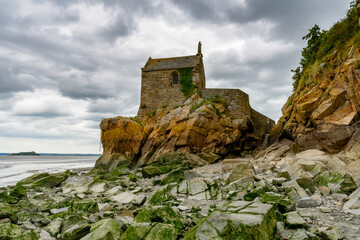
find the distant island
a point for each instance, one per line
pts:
(32, 153)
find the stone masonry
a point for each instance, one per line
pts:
(160, 88)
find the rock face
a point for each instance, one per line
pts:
(201, 129)
(324, 114)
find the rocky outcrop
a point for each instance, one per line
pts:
(324, 114)
(309, 196)
(202, 130)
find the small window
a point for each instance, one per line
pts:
(175, 78)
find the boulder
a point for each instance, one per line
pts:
(137, 231)
(10, 231)
(162, 231)
(54, 227)
(294, 220)
(353, 170)
(353, 204)
(329, 233)
(104, 229)
(43, 180)
(237, 220)
(339, 182)
(122, 139)
(160, 214)
(75, 232)
(244, 170)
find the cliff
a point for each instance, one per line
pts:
(201, 130)
(324, 110)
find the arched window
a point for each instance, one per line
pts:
(175, 78)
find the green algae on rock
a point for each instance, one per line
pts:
(43, 180)
(105, 229)
(237, 220)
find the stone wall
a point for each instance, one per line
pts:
(158, 90)
(238, 100)
(262, 124)
(239, 104)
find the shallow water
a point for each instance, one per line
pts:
(15, 168)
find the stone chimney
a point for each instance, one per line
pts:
(199, 46)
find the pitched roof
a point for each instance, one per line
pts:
(172, 63)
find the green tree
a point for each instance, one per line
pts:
(296, 78)
(314, 39)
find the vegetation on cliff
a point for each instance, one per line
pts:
(321, 45)
(323, 110)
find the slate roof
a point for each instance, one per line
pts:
(171, 63)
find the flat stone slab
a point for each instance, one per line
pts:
(229, 164)
(59, 210)
(124, 197)
(98, 188)
(247, 219)
(196, 186)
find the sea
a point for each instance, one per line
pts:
(15, 168)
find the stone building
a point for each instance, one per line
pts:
(160, 81)
(160, 87)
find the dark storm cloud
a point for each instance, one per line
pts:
(292, 17)
(126, 11)
(200, 9)
(120, 27)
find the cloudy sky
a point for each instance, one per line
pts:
(65, 64)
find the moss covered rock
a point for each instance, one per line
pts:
(162, 231)
(137, 231)
(106, 229)
(161, 214)
(5, 211)
(176, 175)
(18, 192)
(85, 206)
(43, 180)
(10, 231)
(294, 220)
(77, 231)
(237, 220)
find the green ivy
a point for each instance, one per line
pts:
(187, 87)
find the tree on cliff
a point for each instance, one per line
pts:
(321, 44)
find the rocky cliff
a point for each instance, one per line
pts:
(325, 114)
(200, 130)
(324, 110)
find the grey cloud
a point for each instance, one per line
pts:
(47, 113)
(200, 9)
(9, 82)
(85, 89)
(120, 27)
(69, 16)
(292, 18)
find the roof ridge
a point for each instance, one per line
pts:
(175, 57)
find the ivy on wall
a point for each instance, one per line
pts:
(187, 87)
